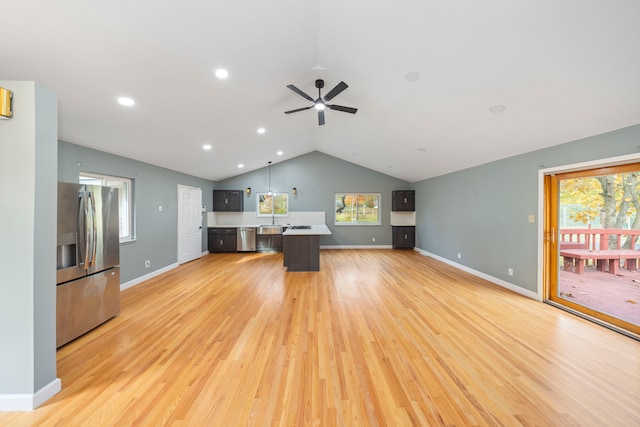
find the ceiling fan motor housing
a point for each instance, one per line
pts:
(319, 103)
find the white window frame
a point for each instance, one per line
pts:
(335, 197)
(125, 199)
(261, 214)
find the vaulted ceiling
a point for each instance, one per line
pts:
(440, 85)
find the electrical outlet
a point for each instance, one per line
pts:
(373, 239)
(510, 271)
(147, 264)
(459, 255)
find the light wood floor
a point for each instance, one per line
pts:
(378, 337)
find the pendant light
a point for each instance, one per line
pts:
(269, 189)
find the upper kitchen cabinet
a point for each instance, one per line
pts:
(228, 200)
(403, 200)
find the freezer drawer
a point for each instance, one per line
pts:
(83, 304)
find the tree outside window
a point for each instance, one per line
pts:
(276, 204)
(357, 208)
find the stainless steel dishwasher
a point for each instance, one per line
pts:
(246, 239)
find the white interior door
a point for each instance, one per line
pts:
(189, 223)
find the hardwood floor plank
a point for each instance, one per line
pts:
(376, 338)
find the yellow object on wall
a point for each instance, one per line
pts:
(6, 97)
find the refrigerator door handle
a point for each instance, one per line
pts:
(83, 236)
(92, 230)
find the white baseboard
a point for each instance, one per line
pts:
(29, 401)
(356, 247)
(499, 282)
(146, 277)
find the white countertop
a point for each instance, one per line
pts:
(234, 225)
(315, 230)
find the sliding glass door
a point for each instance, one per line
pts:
(592, 243)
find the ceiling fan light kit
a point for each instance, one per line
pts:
(320, 104)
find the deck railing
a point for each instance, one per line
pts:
(597, 239)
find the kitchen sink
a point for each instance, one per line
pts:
(270, 229)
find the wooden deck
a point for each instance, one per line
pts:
(614, 294)
(586, 254)
(376, 338)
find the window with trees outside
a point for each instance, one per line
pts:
(125, 199)
(357, 209)
(274, 204)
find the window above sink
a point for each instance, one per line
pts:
(274, 204)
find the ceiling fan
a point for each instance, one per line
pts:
(320, 103)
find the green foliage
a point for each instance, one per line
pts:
(276, 203)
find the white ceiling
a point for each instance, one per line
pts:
(564, 70)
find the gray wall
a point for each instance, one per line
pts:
(318, 176)
(156, 232)
(27, 252)
(482, 212)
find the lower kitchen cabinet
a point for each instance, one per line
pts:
(302, 253)
(269, 242)
(222, 240)
(404, 237)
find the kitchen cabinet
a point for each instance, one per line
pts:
(222, 239)
(269, 243)
(302, 253)
(403, 200)
(403, 234)
(228, 200)
(404, 237)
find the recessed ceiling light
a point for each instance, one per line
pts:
(261, 130)
(412, 76)
(207, 147)
(127, 102)
(240, 166)
(280, 153)
(221, 73)
(497, 109)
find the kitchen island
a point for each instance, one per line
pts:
(301, 247)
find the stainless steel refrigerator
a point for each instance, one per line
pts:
(88, 258)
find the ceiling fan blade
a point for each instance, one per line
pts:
(335, 91)
(320, 118)
(301, 93)
(298, 109)
(341, 108)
